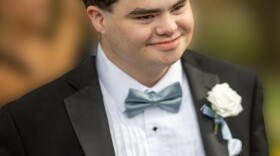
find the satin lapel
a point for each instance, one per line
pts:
(200, 83)
(87, 114)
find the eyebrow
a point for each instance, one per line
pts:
(144, 11)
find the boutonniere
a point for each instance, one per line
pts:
(224, 102)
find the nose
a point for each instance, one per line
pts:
(166, 26)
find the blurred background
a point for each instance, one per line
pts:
(42, 39)
(245, 32)
(39, 41)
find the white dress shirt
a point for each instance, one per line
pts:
(155, 132)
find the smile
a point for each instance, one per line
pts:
(167, 45)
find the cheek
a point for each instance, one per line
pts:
(186, 22)
(137, 35)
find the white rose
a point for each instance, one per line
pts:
(225, 101)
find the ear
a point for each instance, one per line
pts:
(96, 16)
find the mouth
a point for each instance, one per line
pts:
(167, 45)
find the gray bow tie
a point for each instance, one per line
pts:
(168, 99)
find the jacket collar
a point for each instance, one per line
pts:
(87, 112)
(201, 82)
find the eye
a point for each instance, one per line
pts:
(178, 8)
(147, 17)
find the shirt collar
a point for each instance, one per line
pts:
(117, 83)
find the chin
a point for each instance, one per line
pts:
(170, 59)
(167, 58)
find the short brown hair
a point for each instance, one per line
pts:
(102, 4)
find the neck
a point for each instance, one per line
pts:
(146, 74)
(149, 78)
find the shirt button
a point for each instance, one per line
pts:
(155, 129)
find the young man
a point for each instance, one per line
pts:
(143, 94)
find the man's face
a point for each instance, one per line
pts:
(146, 33)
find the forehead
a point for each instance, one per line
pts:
(129, 5)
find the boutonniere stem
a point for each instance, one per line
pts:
(216, 127)
(224, 102)
(219, 121)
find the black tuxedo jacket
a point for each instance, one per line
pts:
(67, 117)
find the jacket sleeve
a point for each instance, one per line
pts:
(10, 141)
(259, 144)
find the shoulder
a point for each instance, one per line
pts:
(222, 68)
(53, 93)
(243, 80)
